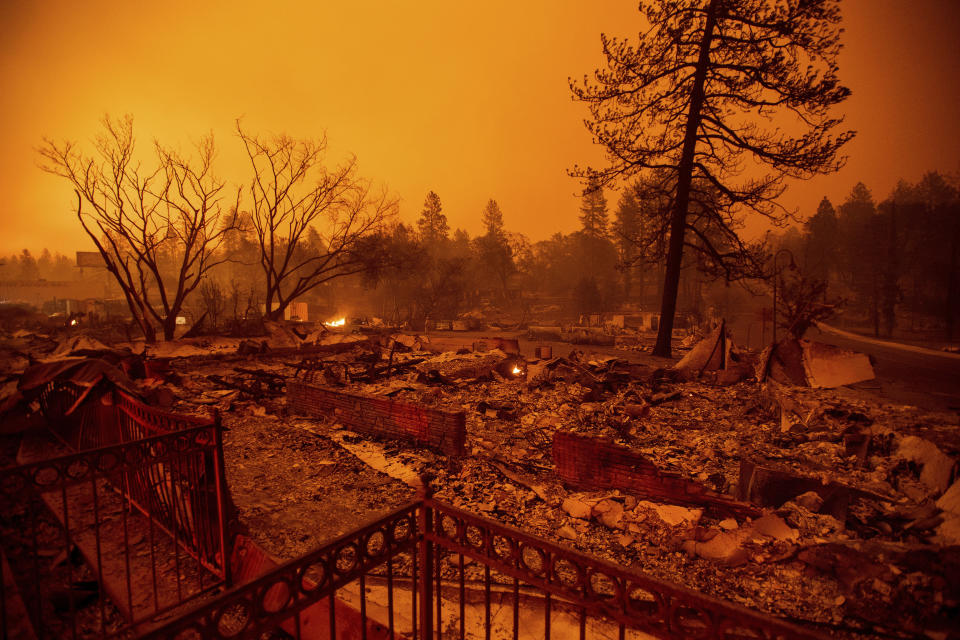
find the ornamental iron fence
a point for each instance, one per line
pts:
(431, 571)
(100, 541)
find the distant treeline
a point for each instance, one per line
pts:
(25, 267)
(888, 264)
(893, 264)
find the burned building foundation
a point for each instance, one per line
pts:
(382, 416)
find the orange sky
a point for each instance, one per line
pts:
(467, 99)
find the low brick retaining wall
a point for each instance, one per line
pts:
(382, 416)
(591, 463)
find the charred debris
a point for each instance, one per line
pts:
(761, 478)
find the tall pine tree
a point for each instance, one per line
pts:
(433, 223)
(691, 98)
(593, 211)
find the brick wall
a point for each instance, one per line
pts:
(592, 463)
(382, 416)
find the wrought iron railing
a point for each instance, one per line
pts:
(137, 528)
(452, 574)
(110, 417)
(149, 513)
(568, 589)
(306, 597)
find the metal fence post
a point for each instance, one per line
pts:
(222, 512)
(425, 584)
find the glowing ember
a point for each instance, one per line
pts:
(336, 323)
(517, 370)
(73, 322)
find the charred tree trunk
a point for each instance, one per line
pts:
(169, 326)
(149, 333)
(678, 221)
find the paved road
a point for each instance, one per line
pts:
(931, 381)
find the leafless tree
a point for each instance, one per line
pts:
(690, 100)
(804, 302)
(158, 229)
(213, 302)
(311, 221)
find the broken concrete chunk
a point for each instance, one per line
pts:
(670, 515)
(810, 500)
(950, 500)
(936, 466)
(566, 531)
(577, 508)
(406, 340)
(609, 512)
(948, 532)
(773, 526)
(729, 524)
(725, 548)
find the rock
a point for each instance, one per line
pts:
(773, 526)
(566, 531)
(725, 548)
(624, 540)
(541, 492)
(609, 512)
(576, 508)
(937, 467)
(670, 515)
(729, 524)
(950, 500)
(948, 533)
(810, 500)
(405, 340)
(704, 534)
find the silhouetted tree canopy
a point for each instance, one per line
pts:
(690, 101)
(593, 212)
(433, 223)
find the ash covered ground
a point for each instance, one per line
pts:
(864, 546)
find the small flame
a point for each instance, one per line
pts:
(336, 323)
(517, 370)
(73, 322)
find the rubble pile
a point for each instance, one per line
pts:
(825, 506)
